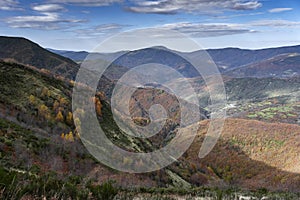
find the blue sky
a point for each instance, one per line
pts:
(80, 24)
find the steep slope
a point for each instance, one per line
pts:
(35, 99)
(37, 130)
(41, 101)
(27, 52)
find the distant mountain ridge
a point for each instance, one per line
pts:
(282, 66)
(79, 56)
(226, 59)
(73, 55)
(230, 58)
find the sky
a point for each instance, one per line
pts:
(83, 24)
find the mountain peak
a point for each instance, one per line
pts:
(161, 47)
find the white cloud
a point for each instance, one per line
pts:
(191, 6)
(48, 8)
(9, 5)
(194, 30)
(102, 29)
(276, 23)
(197, 30)
(277, 10)
(88, 2)
(238, 15)
(204, 30)
(250, 5)
(47, 21)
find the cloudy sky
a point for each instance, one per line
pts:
(81, 24)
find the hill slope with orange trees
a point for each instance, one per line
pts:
(252, 154)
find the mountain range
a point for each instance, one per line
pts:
(40, 146)
(227, 59)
